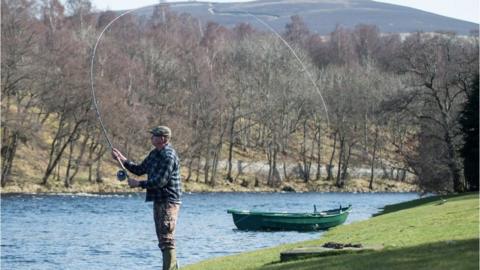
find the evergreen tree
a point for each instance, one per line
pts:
(469, 151)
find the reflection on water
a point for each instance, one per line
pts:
(87, 231)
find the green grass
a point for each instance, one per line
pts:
(429, 233)
(423, 201)
(427, 256)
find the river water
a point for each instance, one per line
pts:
(88, 231)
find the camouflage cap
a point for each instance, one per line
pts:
(161, 131)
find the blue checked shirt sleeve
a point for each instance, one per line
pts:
(162, 172)
(137, 169)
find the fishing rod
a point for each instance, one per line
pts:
(122, 173)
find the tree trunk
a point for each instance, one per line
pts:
(206, 167)
(216, 158)
(272, 162)
(53, 148)
(199, 164)
(101, 152)
(9, 142)
(90, 173)
(8, 155)
(330, 163)
(69, 165)
(53, 161)
(404, 175)
(458, 185)
(318, 137)
(306, 162)
(340, 161)
(230, 146)
(285, 173)
(58, 168)
(275, 173)
(78, 160)
(345, 165)
(365, 131)
(247, 134)
(99, 176)
(189, 169)
(91, 149)
(372, 170)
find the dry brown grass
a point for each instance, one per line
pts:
(32, 159)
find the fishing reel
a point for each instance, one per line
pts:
(122, 175)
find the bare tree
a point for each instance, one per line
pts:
(441, 67)
(18, 78)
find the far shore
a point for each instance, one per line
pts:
(112, 187)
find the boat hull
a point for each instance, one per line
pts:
(268, 221)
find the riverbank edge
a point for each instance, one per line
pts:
(269, 258)
(113, 186)
(79, 193)
(76, 192)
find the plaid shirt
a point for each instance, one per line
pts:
(163, 170)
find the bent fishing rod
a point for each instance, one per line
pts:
(122, 173)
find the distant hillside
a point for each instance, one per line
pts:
(322, 15)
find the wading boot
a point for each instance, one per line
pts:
(169, 259)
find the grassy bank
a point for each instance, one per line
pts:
(430, 233)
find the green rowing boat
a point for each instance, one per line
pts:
(278, 221)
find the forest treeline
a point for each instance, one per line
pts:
(401, 102)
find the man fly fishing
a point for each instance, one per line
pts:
(163, 186)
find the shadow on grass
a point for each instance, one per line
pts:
(458, 255)
(428, 200)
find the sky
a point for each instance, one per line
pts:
(467, 10)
